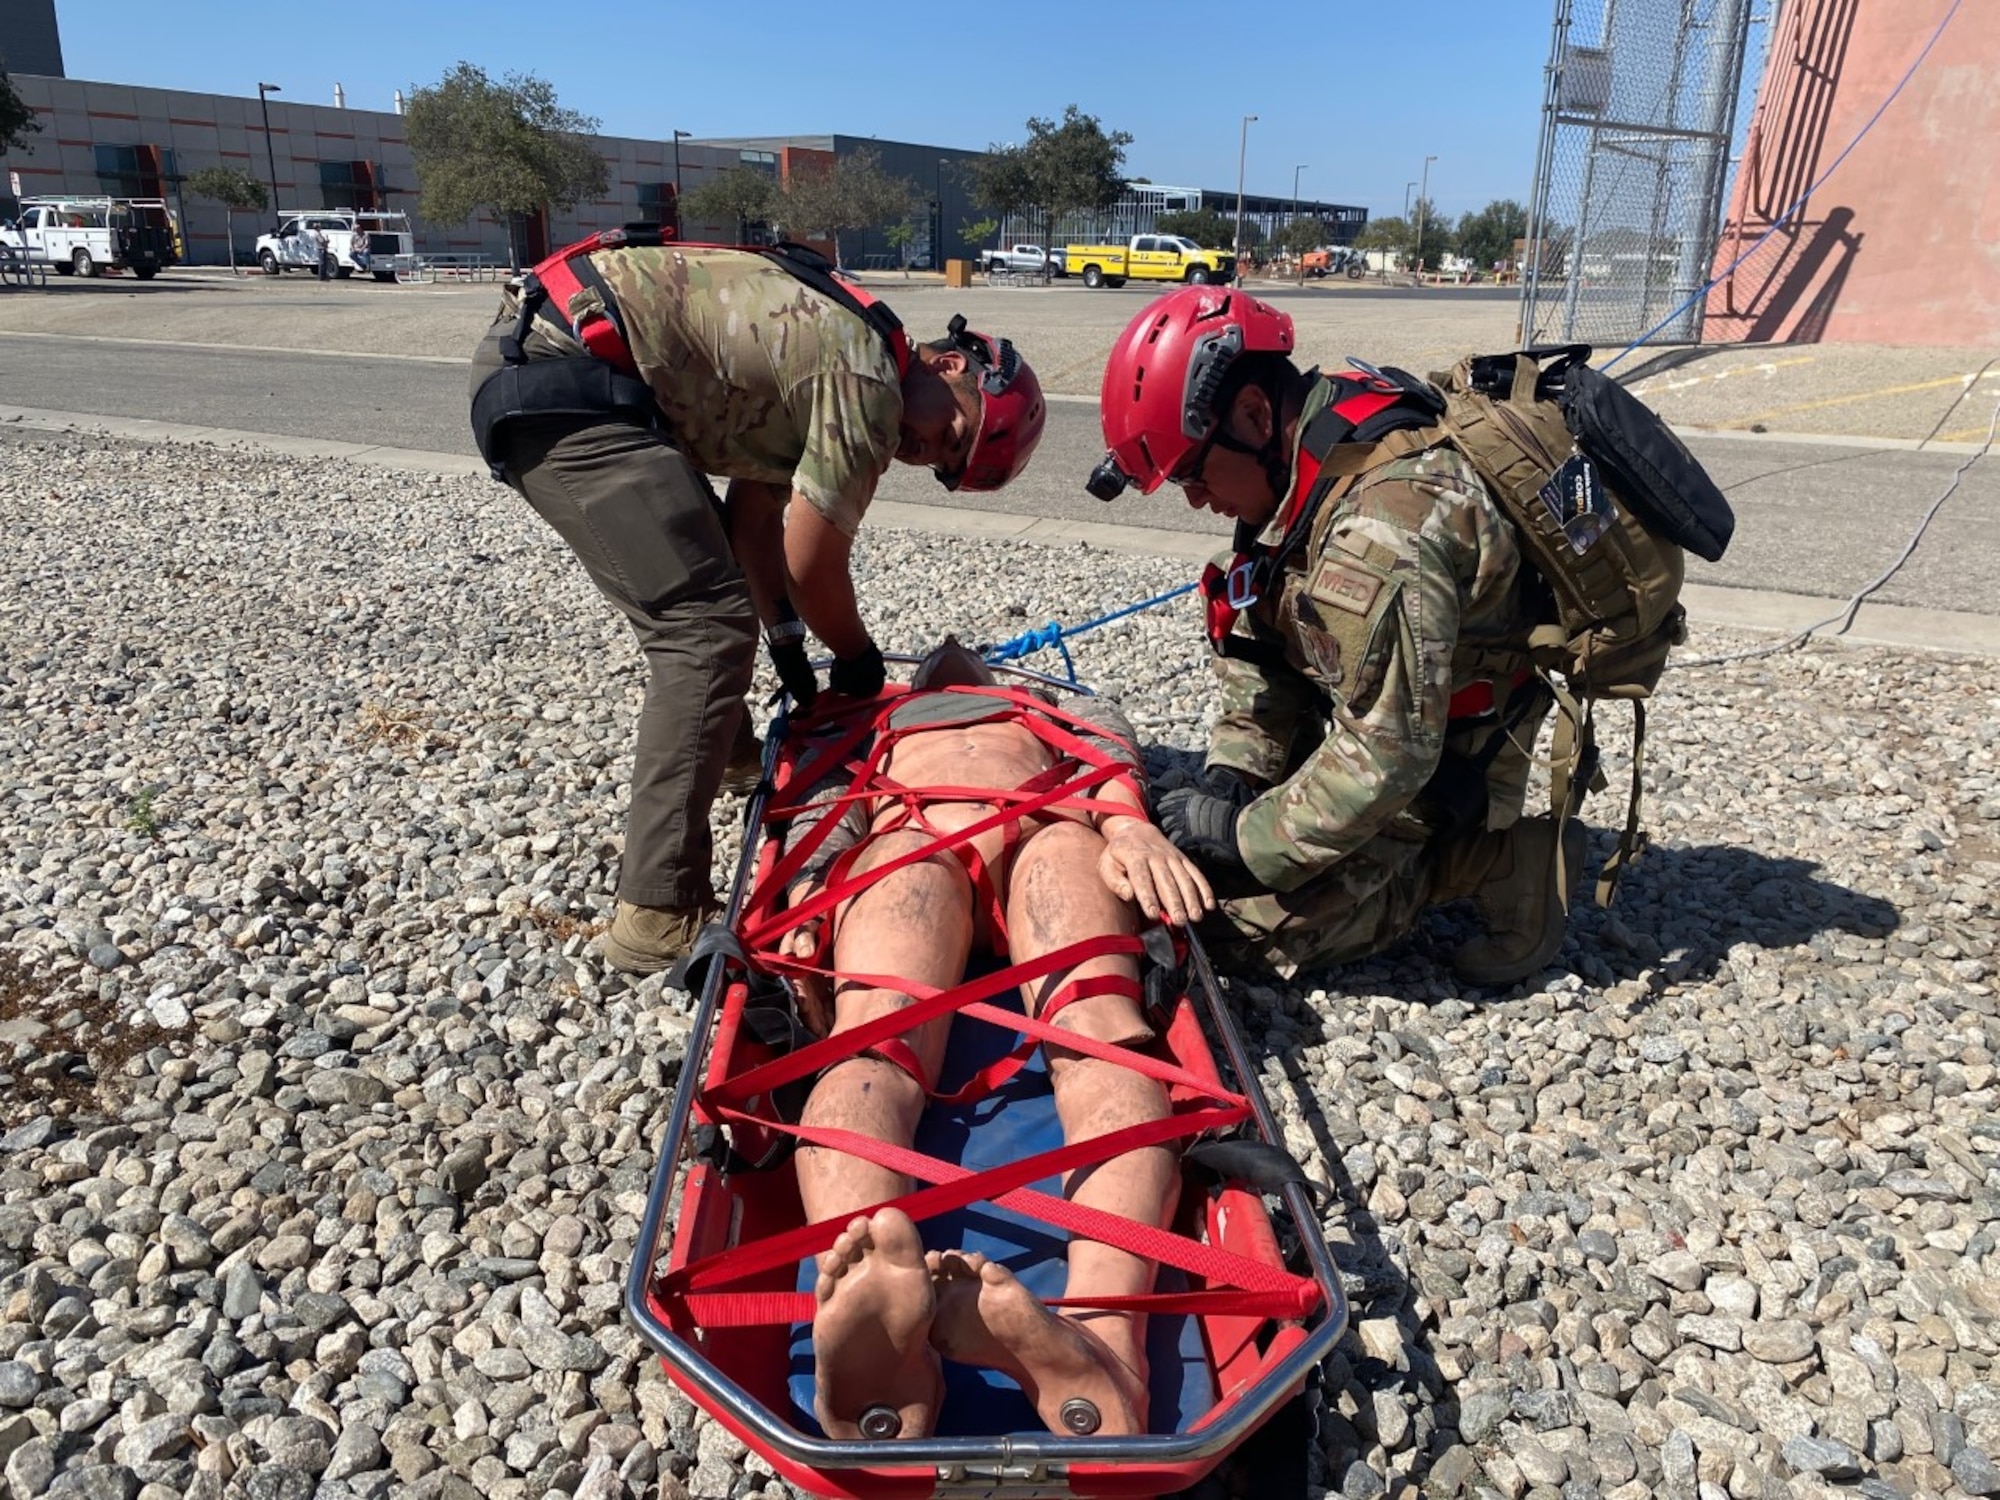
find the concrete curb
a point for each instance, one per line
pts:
(1744, 609)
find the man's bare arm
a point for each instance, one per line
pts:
(816, 556)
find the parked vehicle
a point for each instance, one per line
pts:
(375, 241)
(1030, 259)
(82, 236)
(1149, 257)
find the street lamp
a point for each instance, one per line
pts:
(1423, 207)
(679, 136)
(1242, 149)
(1295, 219)
(270, 157)
(937, 235)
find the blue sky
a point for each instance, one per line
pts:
(1358, 92)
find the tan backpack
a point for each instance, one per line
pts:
(1605, 499)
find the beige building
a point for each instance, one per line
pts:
(137, 142)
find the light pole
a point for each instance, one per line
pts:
(937, 235)
(679, 136)
(270, 157)
(1242, 152)
(1423, 208)
(1295, 219)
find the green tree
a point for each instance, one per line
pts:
(1074, 165)
(1392, 234)
(742, 194)
(17, 121)
(1489, 235)
(901, 237)
(507, 146)
(853, 193)
(235, 190)
(1431, 238)
(1000, 181)
(977, 231)
(1300, 235)
(1204, 226)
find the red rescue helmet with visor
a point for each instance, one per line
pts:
(1012, 412)
(1158, 403)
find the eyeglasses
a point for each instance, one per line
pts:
(1190, 473)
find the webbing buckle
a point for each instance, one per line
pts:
(1243, 584)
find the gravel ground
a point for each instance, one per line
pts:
(324, 1133)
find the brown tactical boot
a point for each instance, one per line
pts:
(1511, 876)
(746, 762)
(647, 939)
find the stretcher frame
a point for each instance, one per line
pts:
(1032, 1466)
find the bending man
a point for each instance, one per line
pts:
(613, 383)
(886, 1310)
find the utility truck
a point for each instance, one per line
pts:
(1148, 257)
(377, 241)
(83, 236)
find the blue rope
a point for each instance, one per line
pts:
(1053, 634)
(1786, 217)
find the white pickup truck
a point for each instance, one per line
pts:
(1031, 260)
(82, 236)
(376, 241)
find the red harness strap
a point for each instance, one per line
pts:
(1232, 1283)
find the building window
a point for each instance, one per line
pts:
(135, 171)
(659, 205)
(350, 184)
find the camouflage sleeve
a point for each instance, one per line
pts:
(1397, 550)
(1266, 712)
(852, 422)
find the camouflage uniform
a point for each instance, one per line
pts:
(756, 377)
(1408, 590)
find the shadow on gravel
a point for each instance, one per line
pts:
(1682, 907)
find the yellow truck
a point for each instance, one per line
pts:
(1148, 257)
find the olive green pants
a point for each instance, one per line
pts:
(644, 523)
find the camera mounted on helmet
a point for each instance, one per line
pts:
(1108, 481)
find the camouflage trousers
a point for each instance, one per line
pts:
(1359, 907)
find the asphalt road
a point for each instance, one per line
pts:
(1813, 517)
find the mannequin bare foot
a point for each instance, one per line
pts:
(986, 1317)
(871, 1332)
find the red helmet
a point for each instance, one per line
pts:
(1160, 385)
(1011, 412)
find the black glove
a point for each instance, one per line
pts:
(1231, 785)
(1203, 827)
(787, 645)
(858, 676)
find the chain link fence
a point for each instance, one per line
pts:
(1637, 121)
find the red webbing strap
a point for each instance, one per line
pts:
(996, 1073)
(1006, 1186)
(599, 333)
(898, 1053)
(842, 1045)
(717, 1310)
(759, 933)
